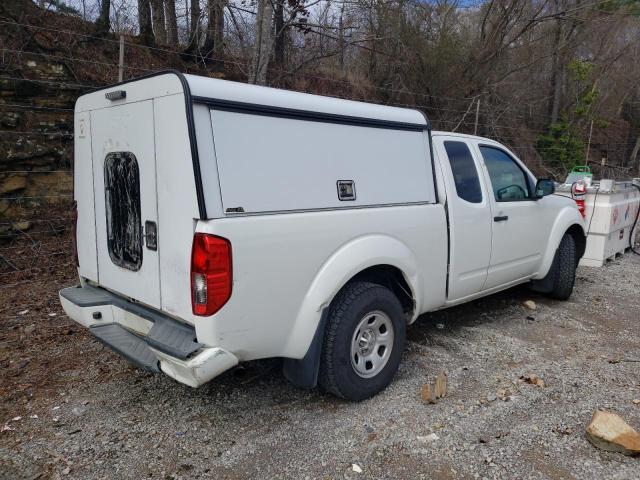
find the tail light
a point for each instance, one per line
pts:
(74, 233)
(579, 192)
(211, 274)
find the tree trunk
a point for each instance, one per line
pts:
(194, 32)
(157, 15)
(634, 155)
(103, 24)
(557, 71)
(144, 20)
(280, 32)
(172, 22)
(263, 43)
(214, 40)
(341, 42)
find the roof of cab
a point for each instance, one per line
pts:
(213, 88)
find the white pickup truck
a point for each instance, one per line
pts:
(219, 222)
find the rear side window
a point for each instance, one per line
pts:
(507, 178)
(465, 174)
(122, 208)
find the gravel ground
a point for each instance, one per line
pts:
(86, 413)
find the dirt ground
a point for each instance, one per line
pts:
(72, 409)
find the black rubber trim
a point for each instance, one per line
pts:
(433, 163)
(303, 373)
(202, 209)
(308, 115)
(127, 344)
(167, 335)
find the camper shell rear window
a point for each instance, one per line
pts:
(122, 208)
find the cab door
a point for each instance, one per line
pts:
(520, 228)
(469, 213)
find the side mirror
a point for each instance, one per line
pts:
(544, 187)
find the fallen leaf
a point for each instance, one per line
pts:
(532, 379)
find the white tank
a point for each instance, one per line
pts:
(610, 210)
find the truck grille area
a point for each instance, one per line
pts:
(122, 208)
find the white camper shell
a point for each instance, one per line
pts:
(220, 222)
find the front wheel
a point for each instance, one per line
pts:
(363, 341)
(559, 281)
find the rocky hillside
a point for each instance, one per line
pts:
(44, 69)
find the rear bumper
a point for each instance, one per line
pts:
(152, 341)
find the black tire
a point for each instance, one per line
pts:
(351, 306)
(562, 275)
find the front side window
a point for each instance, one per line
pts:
(507, 178)
(122, 208)
(465, 174)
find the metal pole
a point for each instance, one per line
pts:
(121, 60)
(475, 129)
(589, 143)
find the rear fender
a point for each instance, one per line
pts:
(349, 260)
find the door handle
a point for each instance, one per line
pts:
(151, 235)
(502, 218)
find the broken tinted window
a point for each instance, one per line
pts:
(122, 207)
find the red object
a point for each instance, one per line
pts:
(579, 191)
(211, 274)
(74, 233)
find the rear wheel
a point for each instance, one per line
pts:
(363, 341)
(559, 281)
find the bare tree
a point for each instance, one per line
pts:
(280, 33)
(157, 16)
(194, 32)
(214, 39)
(172, 22)
(103, 23)
(144, 21)
(263, 43)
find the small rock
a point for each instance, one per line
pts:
(504, 394)
(432, 437)
(23, 312)
(29, 329)
(530, 304)
(610, 432)
(532, 379)
(356, 468)
(431, 392)
(66, 471)
(10, 120)
(440, 326)
(13, 184)
(491, 397)
(636, 401)
(22, 226)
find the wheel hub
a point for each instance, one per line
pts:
(367, 341)
(371, 344)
